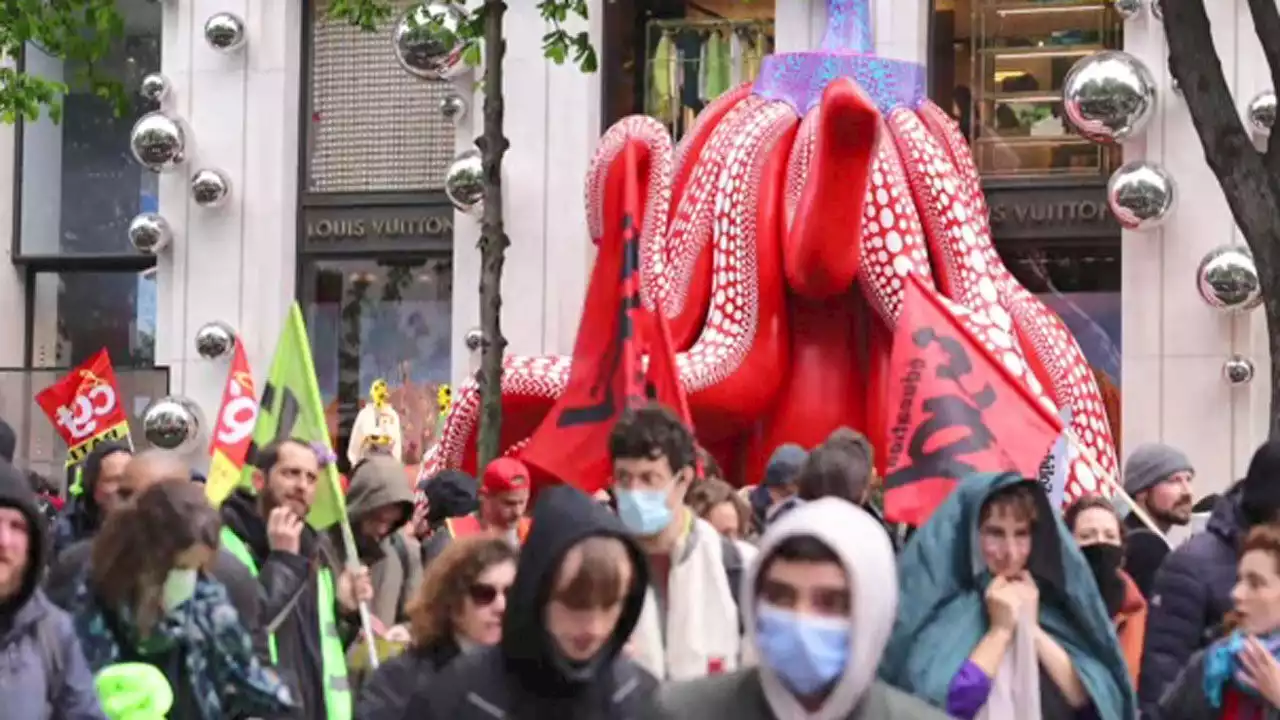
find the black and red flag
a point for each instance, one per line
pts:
(953, 410)
(608, 376)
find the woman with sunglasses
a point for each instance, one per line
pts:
(459, 607)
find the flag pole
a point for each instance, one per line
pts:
(353, 565)
(1116, 488)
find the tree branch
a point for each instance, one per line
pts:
(1251, 192)
(1266, 23)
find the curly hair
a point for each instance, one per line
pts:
(138, 545)
(650, 433)
(448, 579)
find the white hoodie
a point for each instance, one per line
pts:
(864, 549)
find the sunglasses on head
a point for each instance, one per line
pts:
(483, 594)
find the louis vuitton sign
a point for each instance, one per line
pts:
(1039, 212)
(408, 228)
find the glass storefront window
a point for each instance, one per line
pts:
(391, 320)
(1000, 64)
(669, 58)
(1081, 283)
(75, 314)
(86, 156)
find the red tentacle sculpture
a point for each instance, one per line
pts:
(777, 242)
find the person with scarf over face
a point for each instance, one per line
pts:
(578, 592)
(1095, 525)
(1238, 676)
(819, 602)
(1004, 619)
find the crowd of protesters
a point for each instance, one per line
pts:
(669, 595)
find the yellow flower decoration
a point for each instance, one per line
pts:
(379, 394)
(444, 398)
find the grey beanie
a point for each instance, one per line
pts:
(1151, 464)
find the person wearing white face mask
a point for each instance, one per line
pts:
(823, 599)
(148, 599)
(689, 626)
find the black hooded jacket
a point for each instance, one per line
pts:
(526, 677)
(288, 591)
(82, 517)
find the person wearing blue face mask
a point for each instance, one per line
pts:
(689, 625)
(823, 598)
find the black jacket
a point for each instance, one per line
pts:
(526, 677)
(1144, 553)
(388, 691)
(1190, 596)
(287, 591)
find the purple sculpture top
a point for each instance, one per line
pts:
(847, 51)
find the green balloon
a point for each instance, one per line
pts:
(134, 691)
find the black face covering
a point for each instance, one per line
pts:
(1104, 560)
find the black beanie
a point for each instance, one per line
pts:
(1260, 491)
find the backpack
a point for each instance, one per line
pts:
(732, 558)
(51, 655)
(402, 552)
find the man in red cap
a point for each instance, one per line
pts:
(504, 495)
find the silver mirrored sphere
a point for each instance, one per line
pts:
(1109, 96)
(1127, 9)
(215, 340)
(172, 423)
(154, 87)
(426, 41)
(150, 233)
(209, 188)
(464, 183)
(1262, 112)
(1238, 370)
(453, 107)
(1141, 195)
(224, 32)
(158, 142)
(474, 339)
(1228, 279)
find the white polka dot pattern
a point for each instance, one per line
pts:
(798, 165)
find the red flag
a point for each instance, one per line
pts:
(233, 434)
(572, 441)
(84, 407)
(662, 382)
(955, 411)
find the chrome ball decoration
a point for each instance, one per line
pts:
(426, 41)
(464, 183)
(1141, 195)
(215, 340)
(150, 233)
(209, 188)
(1127, 9)
(1237, 370)
(158, 142)
(1228, 279)
(172, 423)
(474, 339)
(224, 32)
(453, 107)
(154, 87)
(1109, 96)
(1262, 112)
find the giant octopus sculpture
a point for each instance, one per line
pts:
(776, 239)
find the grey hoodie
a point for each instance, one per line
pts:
(757, 693)
(43, 673)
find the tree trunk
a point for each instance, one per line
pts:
(493, 239)
(1250, 179)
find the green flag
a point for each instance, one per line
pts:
(291, 408)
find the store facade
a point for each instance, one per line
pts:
(336, 159)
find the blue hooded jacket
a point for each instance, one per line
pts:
(942, 571)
